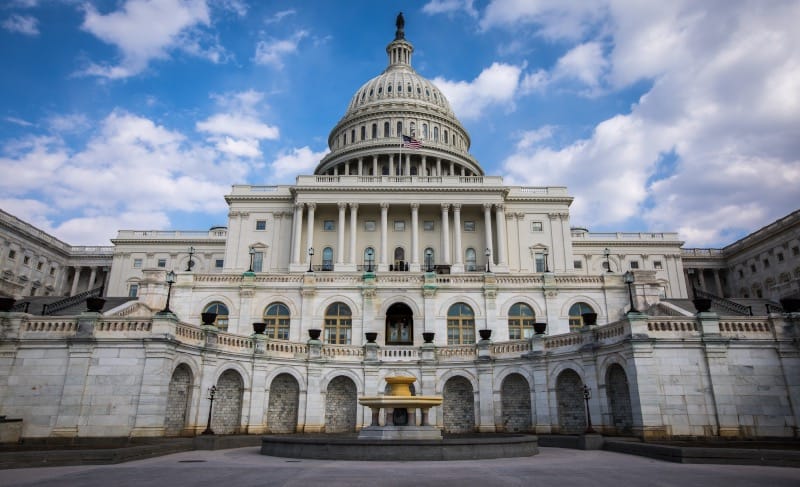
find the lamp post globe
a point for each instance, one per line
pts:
(606, 253)
(252, 253)
(629, 279)
(370, 254)
(310, 255)
(488, 253)
(170, 281)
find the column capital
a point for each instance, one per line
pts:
(520, 215)
(414, 206)
(384, 205)
(499, 206)
(342, 205)
(353, 206)
(299, 206)
(277, 215)
(554, 216)
(445, 206)
(456, 206)
(311, 206)
(487, 206)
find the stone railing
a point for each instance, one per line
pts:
(514, 348)
(746, 328)
(56, 325)
(399, 353)
(280, 348)
(123, 326)
(455, 353)
(343, 352)
(188, 333)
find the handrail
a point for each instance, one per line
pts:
(71, 300)
(725, 303)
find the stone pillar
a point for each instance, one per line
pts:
(75, 278)
(347, 168)
(701, 278)
(353, 229)
(458, 265)
(407, 169)
(424, 167)
(485, 398)
(340, 234)
(375, 166)
(487, 222)
(414, 237)
(310, 227)
(360, 166)
(500, 216)
(93, 276)
(391, 165)
(438, 166)
(384, 236)
(298, 228)
(445, 234)
(718, 283)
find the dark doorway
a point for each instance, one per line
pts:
(399, 325)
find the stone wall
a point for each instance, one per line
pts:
(340, 406)
(178, 397)
(619, 400)
(571, 407)
(284, 399)
(515, 401)
(227, 414)
(458, 406)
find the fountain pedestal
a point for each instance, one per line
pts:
(400, 399)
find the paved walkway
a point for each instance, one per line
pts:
(552, 467)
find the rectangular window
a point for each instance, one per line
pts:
(427, 226)
(469, 226)
(162, 262)
(399, 225)
(369, 225)
(39, 266)
(328, 226)
(219, 263)
(539, 258)
(261, 224)
(795, 251)
(12, 254)
(133, 290)
(634, 264)
(766, 263)
(258, 260)
(753, 268)
(137, 263)
(52, 271)
(741, 273)
(657, 264)
(26, 260)
(536, 226)
(780, 257)
(578, 264)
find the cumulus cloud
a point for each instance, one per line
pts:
(711, 149)
(450, 6)
(144, 30)
(237, 130)
(554, 19)
(22, 24)
(496, 85)
(292, 162)
(273, 51)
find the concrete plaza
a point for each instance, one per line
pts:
(553, 466)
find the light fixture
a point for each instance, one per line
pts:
(170, 282)
(546, 266)
(310, 255)
(212, 391)
(252, 258)
(607, 252)
(488, 253)
(629, 279)
(587, 394)
(190, 264)
(429, 260)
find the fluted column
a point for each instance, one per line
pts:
(298, 228)
(375, 166)
(424, 168)
(438, 166)
(340, 234)
(353, 229)
(457, 235)
(384, 234)
(414, 236)
(487, 223)
(360, 166)
(75, 278)
(92, 277)
(407, 171)
(500, 216)
(391, 164)
(445, 234)
(310, 226)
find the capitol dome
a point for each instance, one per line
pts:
(396, 103)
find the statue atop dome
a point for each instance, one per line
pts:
(400, 23)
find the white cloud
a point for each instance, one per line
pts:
(66, 123)
(238, 131)
(496, 85)
(144, 30)
(555, 19)
(296, 161)
(238, 7)
(273, 51)
(711, 149)
(278, 16)
(450, 6)
(18, 121)
(22, 24)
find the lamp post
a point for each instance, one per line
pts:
(629, 280)
(488, 254)
(429, 260)
(310, 255)
(370, 259)
(190, 264)
(170, 282)
(252, 253)
(587, 394)
(546, 266)
(607, 252)
(212, 391)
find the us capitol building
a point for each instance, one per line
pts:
(399, 255)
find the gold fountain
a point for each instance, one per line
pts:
(400, 424)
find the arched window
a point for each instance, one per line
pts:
(389, 89)
(575, 312)
(470, 260)
(338, 324)
(276, 316)
(460, 325)
(430, 259)
(425, 131)
(520, 321)
(221, 310)
(352, 136)
(327, 259)
(344, 138)
(374, 130)
(399, 259)
(444, 139)
(399, 129)
(363, 132)
(436, 134)
(412, 128)
(386, 132)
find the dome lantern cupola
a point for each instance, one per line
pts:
(399, 50)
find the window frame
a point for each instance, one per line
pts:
(261, 225)
(279, 322)
(460, 324)
(520, 325)
(338, 324)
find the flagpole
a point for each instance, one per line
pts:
(400, 155)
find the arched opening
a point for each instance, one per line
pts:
(400, 259)
(277, 318)
(221, 321)
(227, 414)
(515, 399)
(284, 400)
(338, 324)
(619, 399)
(520, 322)
(460, 324)
(327, 259)
(470, 260)
(178, 396)
(399, 325)
(576, 312)
(571, 409)
(340, 406)
(458, 406)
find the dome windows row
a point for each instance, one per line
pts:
(426, 133)
(400, 85)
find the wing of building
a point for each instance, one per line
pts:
(402, 256)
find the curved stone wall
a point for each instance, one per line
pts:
(619, 399)
(227, 415)
(284, 400)
(340, 406)
(178, 395)
(571, 409)
(515, 401)
(458, 406)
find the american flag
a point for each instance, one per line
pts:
(411, 142)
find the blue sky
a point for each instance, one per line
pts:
(659, 116)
